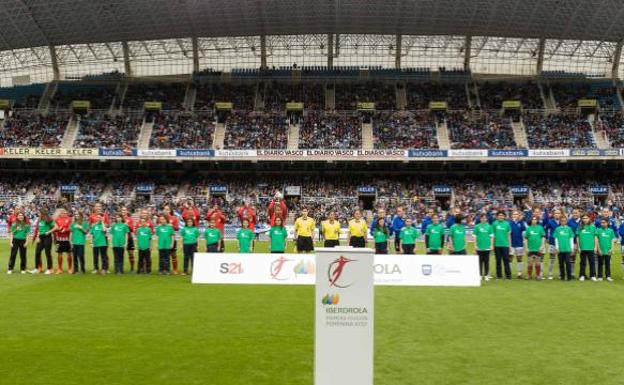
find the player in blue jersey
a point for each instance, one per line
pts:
(550, 223)
(518, 227)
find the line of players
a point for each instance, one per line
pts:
(532, 231)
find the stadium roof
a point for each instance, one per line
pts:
(33, 23)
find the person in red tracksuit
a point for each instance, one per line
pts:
(249, 213)
(217, 215)
(61, 231)
(175, 223)
(130, 245)
(277, 207)
(190, 211)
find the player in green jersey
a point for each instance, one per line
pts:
(484, 240)
(606, 239)
(586, 242)
(564, 245)
(534, 239)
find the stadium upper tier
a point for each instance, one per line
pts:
(335, 114)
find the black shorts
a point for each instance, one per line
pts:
(332, 243)
(434, 252)
(381, 248)
(463, 252)
(408, 249)
(63, 247)
(213, 247)
(357, 242)
(130, 244)
(305, 244)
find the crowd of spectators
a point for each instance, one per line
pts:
(103, 131)
(612, 126)
(183, 130)
(252, 130)
(100, 96)
(480, 131)
(348, 95)
(330, 131)
(420, 94)
(492, 95)
(242, 96)
(558, 131)
(33, 130)
(567, 94)
(404, 130)
(171, 95)
(277, 94)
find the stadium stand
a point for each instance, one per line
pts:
(255, 131)
(100, 130)
(558, 131)
(241, 95)
(420, 94)
(404, 130)
(330, 131)
(33, 130)
(277, 94)
(183, 130)
(171, 95)
(468, 130)
(100, 95)
(492, 95)
(348, 95)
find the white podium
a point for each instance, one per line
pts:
(344, 316)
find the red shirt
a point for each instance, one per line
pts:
(129, 222)
(191, 213)
(173, 221)
(63, 222)
(248, 213)
(219, 218)
(282, 205)
(105, 219)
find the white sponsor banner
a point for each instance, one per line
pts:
(468, 153)
(157, 153)
(555, 152)
(344, 304)
(299, 269)
(236, 153)
(48, 152)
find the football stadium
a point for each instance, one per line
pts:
(324, 192)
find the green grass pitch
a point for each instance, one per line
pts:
(116, 330)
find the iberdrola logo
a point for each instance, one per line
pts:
(330, 299)
(305, 267)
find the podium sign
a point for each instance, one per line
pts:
(344, 316)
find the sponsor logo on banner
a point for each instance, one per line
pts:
(381, 153)
(508, 153)
(427, 153)
(442, 190)
(69, 188)
(380, 268)
(281, 153)
(157, 153)
(50, 152)
(367, 190)
(427, 269)
(236, 153)
(519, 190)
(468, 153)
(336, 270)
(277, 267)
(195, 153)
(586, 152)
(599, 190)
(232, 268)
(331, 153)
(117, 152)
(331, 299)
(611, 152)
(305, 268)
(218, 188)
(550, 153)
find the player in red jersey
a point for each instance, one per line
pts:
(249, 213)
(61, 233)
(97, 209)
(277, 207)
(130, 245)
(190, 211)
(175, 223)
(217, 215)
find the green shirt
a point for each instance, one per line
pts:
(212, 235)
(78, 231)
(435, 233)
(534, 235)
(98, 232)
(20, 232)
(44, 226)
(189, 235)
(564, 236)
(408, 235)
(483, 236)
(502, 229)
(586, 237)
(278, 237)
(165, 233)
(380, 236)
(119, 232)
(144, 237)
(605, 239)
(458, 237)
(245, 237)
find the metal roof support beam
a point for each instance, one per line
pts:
(55, 68)
(541, 46)
(467, 52)
(617, 56)
(195, 44)
(330, 50)
(263, 54)
(398, 49)
(126, 56)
